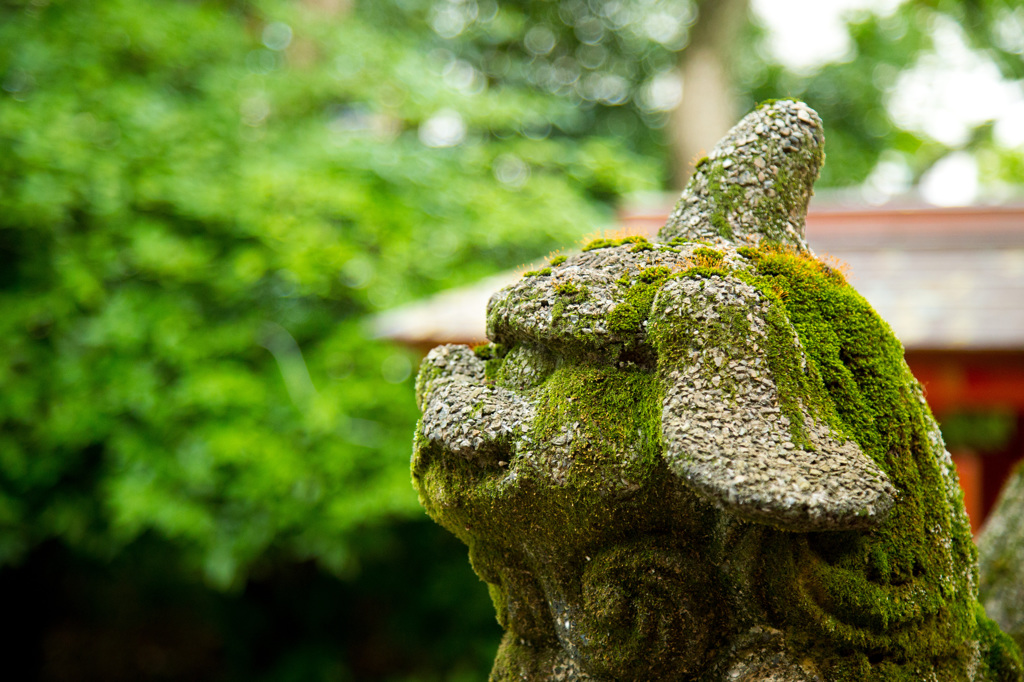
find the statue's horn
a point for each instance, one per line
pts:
(756, 184)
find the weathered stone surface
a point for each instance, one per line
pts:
(757, 182)
(1001, 558)
(740, 452)
(704, 458)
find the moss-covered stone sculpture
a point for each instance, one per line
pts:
(704, 458)
(1001, 550)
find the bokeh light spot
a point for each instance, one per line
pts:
(444, 129)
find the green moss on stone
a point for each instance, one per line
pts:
(493, 355)
(704, 257)
(654, 275)
(609, 243)
(902, 591)
(727, 197)
(679, 337)
(616, 444)
(703, 271)
(571, 290)
(883, 605)
(1000, 653)
(628, 317)
(619, 407)
(491, 368)
(680, 241)
(486, 351)
(567, 293)
(900, 594)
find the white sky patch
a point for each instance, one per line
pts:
(664, 92)
(953, 181)
(444, 129)
(1009, 130)
(944, 96)
(890, 177)
(952, 90)
(805, 35)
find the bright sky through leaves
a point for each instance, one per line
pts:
(945, 95)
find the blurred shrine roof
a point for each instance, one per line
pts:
(944, 278)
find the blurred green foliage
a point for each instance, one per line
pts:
(990, 431)
(414, 612)
(200, 203)
(605, 58)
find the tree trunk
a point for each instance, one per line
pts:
(708, 106)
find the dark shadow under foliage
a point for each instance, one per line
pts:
(415, 610)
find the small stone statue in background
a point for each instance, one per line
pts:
(1001, 555)
(704, 458)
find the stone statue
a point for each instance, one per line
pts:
(1001, 552)
(704, 458)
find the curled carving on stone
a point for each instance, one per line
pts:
(640, 616)
(704, 458)
(520, 604)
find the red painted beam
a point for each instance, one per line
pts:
(970, 381)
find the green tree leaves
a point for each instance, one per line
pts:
(200, 203)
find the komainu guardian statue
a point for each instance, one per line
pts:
(704, 458)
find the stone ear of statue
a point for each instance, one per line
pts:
(793, 471)
(724, 433)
